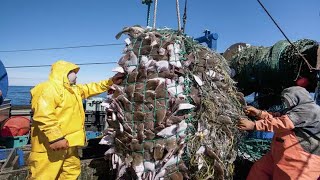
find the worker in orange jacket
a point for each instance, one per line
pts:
(295, 148)
(58, 122)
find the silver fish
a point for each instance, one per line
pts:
(149, 166)
(132, 63)
(168, 131)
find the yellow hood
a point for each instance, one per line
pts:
(59, 71)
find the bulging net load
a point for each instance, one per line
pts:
(175, 114)
(271, 69)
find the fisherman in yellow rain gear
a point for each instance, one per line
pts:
(58, 122)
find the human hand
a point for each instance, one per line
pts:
(252, 111)
(62, 144)
(246, 125)
(118, 78)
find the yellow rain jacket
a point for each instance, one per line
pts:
(58, 109)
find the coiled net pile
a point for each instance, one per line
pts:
(175, 114)
(272, 69)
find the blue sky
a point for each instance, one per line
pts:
(60, 23)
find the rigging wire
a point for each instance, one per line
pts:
(155, 14)
(305, 60)
(79, 64)
(28, 78)
(59, 48)
(178, 14)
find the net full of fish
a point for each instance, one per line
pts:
(174, 116)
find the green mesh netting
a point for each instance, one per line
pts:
(174, 121)
(273, 68)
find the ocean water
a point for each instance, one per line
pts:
(20, 95)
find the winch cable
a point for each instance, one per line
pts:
(184, 16)
(79, 64)
(178, 15)
(305, 60)
(155, 14)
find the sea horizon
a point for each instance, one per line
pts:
(20, 95)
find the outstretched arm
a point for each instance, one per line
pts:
(92, 89)
(267, 121)
(273, 124)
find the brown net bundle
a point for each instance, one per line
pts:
(175, 114)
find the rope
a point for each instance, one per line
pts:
(185, 16)
(178, 15)
(299, 71)
(305, 60)
(155, 13)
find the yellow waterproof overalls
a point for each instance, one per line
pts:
(59, 113)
